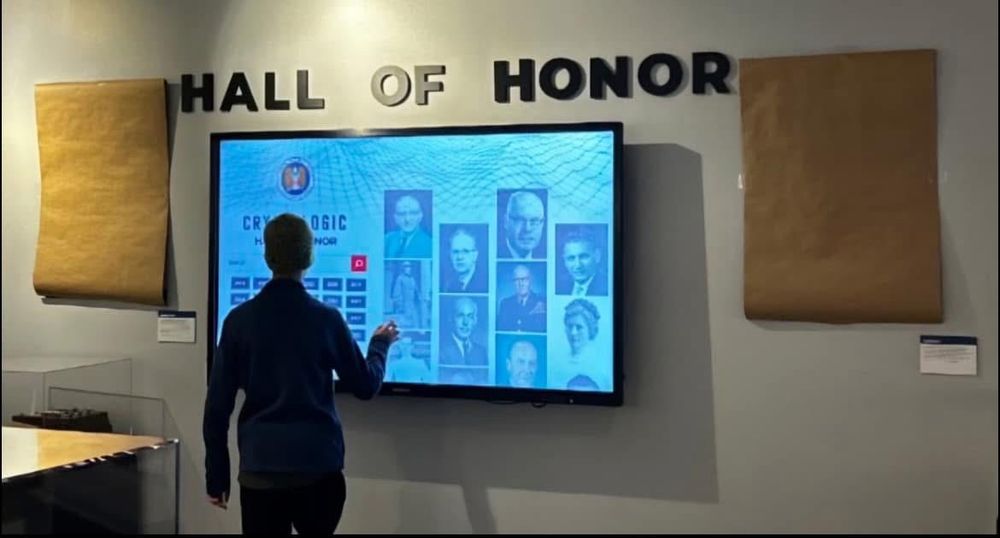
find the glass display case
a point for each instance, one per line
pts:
(27, 382)
(57, 482)
(120, 477)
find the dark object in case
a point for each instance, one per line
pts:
(81, 420)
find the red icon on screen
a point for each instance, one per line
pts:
(359, 263)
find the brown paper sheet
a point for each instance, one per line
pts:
(841, 218)
(105, 190)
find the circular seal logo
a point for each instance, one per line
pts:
(296, 179)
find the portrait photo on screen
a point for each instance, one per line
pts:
(408, 224)
(463, 329)
(465, 258)
(580, 344)
(581, 260)
(521, 218)
(521, 361)
(409, 359)
(469, 376)
(408, 300)
(521, 297)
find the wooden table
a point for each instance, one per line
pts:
(30, 450)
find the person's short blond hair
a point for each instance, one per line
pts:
(288, 244)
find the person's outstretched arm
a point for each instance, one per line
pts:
(362, 373)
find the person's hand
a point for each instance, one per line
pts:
(387, 330)
(222, 501)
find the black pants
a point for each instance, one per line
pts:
(313, 509)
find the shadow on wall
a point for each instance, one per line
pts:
(660, 445)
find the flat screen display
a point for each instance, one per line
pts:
(493, 248)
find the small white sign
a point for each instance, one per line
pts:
(948, 355)
(176, 326)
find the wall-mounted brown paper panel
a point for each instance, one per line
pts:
(105, 190)
(841, 219)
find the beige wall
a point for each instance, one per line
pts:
(730, 425)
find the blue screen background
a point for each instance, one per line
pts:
(351, 181)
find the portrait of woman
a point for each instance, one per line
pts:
(583, 367)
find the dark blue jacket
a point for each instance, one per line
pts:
(280, 348)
